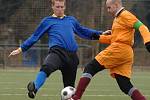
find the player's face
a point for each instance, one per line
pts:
(111, 7)
(58, 8)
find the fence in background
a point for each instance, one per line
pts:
(35, 56)
(19, 18)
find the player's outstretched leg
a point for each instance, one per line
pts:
(34, 86)
(90, 70)
(82, 85)
(127, 87)
(136, 95)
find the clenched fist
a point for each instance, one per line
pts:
(108, 32)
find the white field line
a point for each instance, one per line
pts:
(27, 83)
(19, 70)
(47, 95)
(89, 90)
(52, 83)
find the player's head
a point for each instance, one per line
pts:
(113, 6)
(58, 7)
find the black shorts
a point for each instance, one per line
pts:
(60, 59)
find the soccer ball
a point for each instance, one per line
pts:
(67, 92)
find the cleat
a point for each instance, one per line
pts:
(31, 90)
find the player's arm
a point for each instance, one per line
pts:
(107, 32)
(131, 21)
(144, 32)
(105, 39)
(85, 32)
(41, 29)
(15, 52)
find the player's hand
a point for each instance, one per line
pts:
(147, 46)
(15, 52)
(108, 32)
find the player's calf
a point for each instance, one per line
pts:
(31, 90)
(136, 95)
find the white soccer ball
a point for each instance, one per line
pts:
(67, 92)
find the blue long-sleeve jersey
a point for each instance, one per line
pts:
(60, 33)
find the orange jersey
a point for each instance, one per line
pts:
(122, 29)
(118, 56)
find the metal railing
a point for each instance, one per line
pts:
(35, 55)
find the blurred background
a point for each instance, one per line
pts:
(19, 18)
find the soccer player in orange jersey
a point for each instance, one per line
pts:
(118, 56)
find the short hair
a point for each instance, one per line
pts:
(116, 0)
(53, 1)
(120, 1)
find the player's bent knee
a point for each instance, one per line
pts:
(48, 70)
(93, 67)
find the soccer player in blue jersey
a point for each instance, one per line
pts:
(62, 46)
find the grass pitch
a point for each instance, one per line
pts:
(102, 87)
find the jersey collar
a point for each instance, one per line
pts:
(58, 17)
(119, 11)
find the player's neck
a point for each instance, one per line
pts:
(118, 11)
(59, 16)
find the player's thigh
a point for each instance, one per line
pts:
(69, 71)
(124, 70)
(93, 67)
(69, 76)
(69, 68)
(51, 63)
(115, 55)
